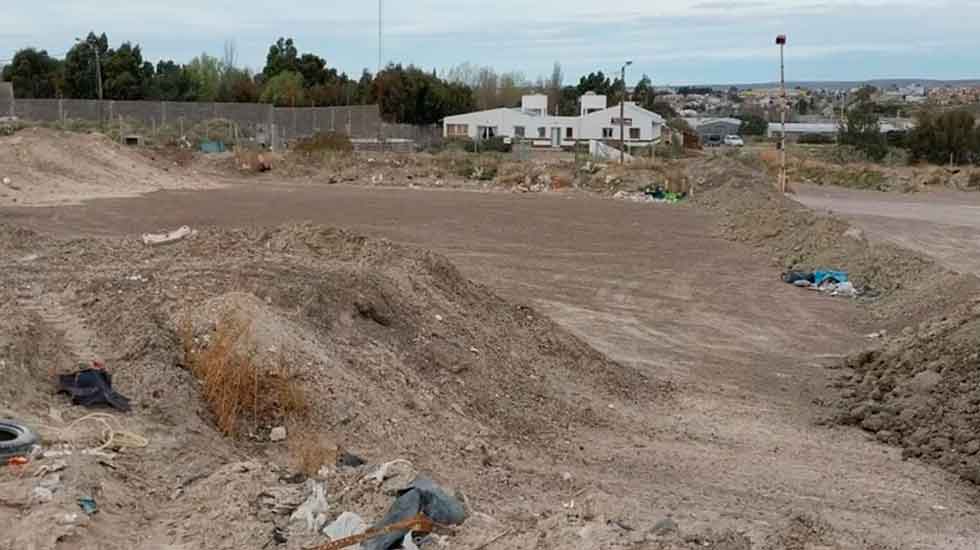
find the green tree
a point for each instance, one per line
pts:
(753, 125)
(204, 73)
(80, 75)
(285, 89)
(282, 57)
(948, 136)
(413, 96)
(124, 73)
(34, 74)
(595, 82)
(862, 129)
(568, 101)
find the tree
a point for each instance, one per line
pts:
(594, 82)
(413, 96)
(204, 73)
(124, 73)
(553, 85)
(862, 130)
(568, 101)
(285, 89)
(753, 125)
(170, 82)
(34, 74)
(80, 75)
(282, 57)
(941, 138)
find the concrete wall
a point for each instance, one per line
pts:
(360, 121)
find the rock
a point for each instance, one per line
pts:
(664, 527)
(347, 524)
(280, 500)
(6, 181)
(939, 443)
(972, 447)
(278, 433)
(873, 423)
(566, 476)
(314, 509)
(42, 494)
(925, 381)
(885, 436)
(854, 233)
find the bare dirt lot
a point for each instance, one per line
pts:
(737, 453)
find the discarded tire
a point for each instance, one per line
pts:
(15, 439)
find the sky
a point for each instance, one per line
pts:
(675, 42)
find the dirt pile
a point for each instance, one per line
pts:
(398, 355)
(39, 166)
(913, 287)
(921, 390)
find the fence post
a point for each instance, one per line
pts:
(163, 113)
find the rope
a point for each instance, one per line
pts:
(111, 437)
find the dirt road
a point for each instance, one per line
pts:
(942, 224)
(738, 444)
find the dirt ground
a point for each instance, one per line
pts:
(940, 224)
(719, 421)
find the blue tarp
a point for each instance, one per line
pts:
(819, 277)
(212, 147)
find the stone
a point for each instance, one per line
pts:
(278, 433)
(972, 448)
(925, 381)
(347, 524)
(665, 526)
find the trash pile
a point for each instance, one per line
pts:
(652, 193)
(834, 283)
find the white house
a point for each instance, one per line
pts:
(596, 121)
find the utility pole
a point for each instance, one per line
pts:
(381, 120)
(781, 41)
(622, 115)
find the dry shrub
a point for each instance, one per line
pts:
(252, 160)
(324, 142)
(311, 450)
(234, 385)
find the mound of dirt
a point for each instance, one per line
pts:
(397, 355)
(912, 288)
(921, 390)
(39, 166)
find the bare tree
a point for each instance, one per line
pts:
(230, 59)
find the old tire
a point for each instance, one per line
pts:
(15, 439)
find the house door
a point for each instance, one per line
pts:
(556, 137)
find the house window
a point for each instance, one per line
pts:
(542, 132)
(607, 132)
(634, 133)
(568, 133)
(457, 129)
(518, 131)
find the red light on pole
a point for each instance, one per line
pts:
(781, 40)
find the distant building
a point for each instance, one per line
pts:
(531, 122)
(713, 129)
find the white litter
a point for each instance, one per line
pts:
(169, 237)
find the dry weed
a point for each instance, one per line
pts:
(311, 450)
(235, 387)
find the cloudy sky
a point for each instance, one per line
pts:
(680, 41)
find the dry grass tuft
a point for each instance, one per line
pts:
(311, 450)
(236, 388)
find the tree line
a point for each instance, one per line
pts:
(951, 137)
(406, 94)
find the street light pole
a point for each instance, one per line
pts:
(781, 41)
(381, 120)
(98, 64)
(622, 115)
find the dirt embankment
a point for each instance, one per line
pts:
(920, 385)
(397, 355)
(39, 166)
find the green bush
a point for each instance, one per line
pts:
(816, 139)
(496, 145)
